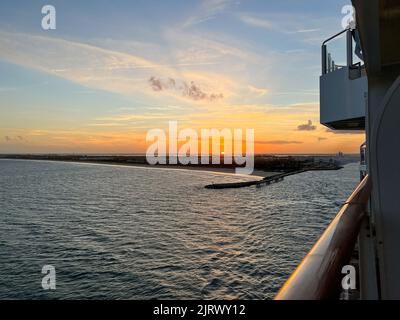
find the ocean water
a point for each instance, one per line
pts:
(115, 232)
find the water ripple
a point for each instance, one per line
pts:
(116, 232)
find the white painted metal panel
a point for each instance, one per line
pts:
(342, 99)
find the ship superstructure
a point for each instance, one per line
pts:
(361, 92)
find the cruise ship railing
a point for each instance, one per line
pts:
(328, 62)
(330, 56)
(319, 275)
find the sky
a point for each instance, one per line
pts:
(113, 70)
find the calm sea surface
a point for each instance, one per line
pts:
(115, 232)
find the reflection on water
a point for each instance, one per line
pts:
(138, 233)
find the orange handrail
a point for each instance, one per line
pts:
(318, 276)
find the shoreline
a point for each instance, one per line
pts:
(264, 167)
(230, 171)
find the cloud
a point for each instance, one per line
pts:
(84, 64)
(307, 127)
(208, 10)
(321, 139)
(16, 138)
(258, 22)
(288, 93)
(258, 91)
(194, 92)
(189, 90)
(157, 84)
(93, 67)
(344, 131)
(209, 47)
(284, 23)
(279, 142)
(307, 30)
(127, 74)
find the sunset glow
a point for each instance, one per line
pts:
(97, 86)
